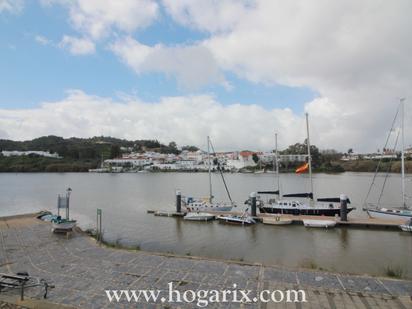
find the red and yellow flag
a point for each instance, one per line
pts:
(302, 169)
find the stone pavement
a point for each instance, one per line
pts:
(82, 271)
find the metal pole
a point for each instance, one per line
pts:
(58, 205)
(210, 171)
(100, 227)
(97, 224)
(67, 206)
(277, 163)
(403, 152)
(309, 156)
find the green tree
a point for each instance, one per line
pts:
(115, 151)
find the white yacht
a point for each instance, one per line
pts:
(295, 207)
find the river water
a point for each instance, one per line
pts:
(125, 198)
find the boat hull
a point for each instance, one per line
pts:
(332, 212)
(235, 221)
(198, 217)
(69, 225)
(277, 221)
(406, 228)
(319, 223)
(374, 213)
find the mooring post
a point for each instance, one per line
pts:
(343, 207)
(253, 197)
(178, 201)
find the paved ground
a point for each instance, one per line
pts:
(81, 271)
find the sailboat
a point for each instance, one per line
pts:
(323, 206)
(403, 212)
(207, 204)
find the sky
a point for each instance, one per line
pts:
(179, 70)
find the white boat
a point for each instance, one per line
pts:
(402, 213)
(319, 223)
(63, 224)
(276, 220)
(238, 220)
(207, 204)
(390, 214)
(203, 204)
(198, 216)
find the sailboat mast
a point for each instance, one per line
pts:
(277, 163)
(403, 152)
(309, 156)
(210, 170)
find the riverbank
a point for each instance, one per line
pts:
(52, 165)
(82, 270)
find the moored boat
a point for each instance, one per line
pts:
(63, 224)
(208, 204)
(238, 220)
(319, 223)
(276, 220)
(201, 204)
(321, 207)
(199, 216)
(388, 212)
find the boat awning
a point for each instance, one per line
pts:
(269, 192)
(332, 200)
(309, 195)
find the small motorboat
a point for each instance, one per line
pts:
(319, 223)
(243, 219)
(59, 224)
(199, 216)
(276, 220)
(407, 227)
(239, 220)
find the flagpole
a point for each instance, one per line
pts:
(309, 156)
(277, 163)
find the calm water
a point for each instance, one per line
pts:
(125, 198)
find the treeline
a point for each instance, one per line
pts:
(77, 154)
(326, 161)
(86, 148)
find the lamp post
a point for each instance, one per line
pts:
(68, 192)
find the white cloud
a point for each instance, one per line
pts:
(77, 46)
(208, 15)
(11, 6)
(96, 18)
(42, 40)
(193, 66)
(186, 120)
(355, 54)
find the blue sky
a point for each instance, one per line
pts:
(32, 73)
(181, 70)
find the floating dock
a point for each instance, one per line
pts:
(298, 219)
